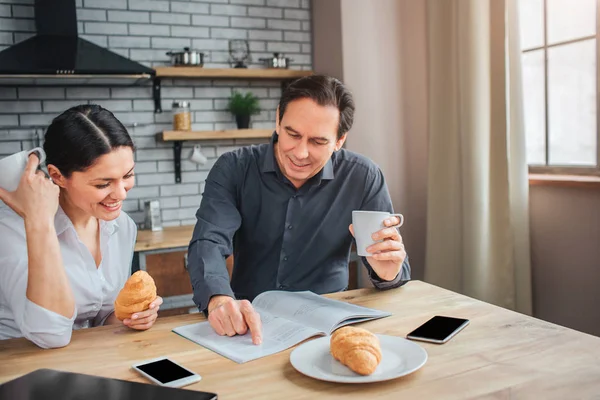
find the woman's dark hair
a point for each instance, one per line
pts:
(325, 91)
(77, 137)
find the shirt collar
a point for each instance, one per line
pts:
(269, 161)
(327, 171)
(62, 223)
(270, 164)
(109, 227)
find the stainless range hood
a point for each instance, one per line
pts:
(57, 56)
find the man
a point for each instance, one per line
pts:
(284, 210)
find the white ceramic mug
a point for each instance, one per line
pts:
(365, 224)
(197, 156)
(12, 167)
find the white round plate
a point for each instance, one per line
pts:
(399, 357)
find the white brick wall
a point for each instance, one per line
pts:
(144, 30)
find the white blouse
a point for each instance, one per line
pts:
(94, 288)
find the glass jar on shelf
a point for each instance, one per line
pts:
(182, 116)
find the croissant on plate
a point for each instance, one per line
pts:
(356, 348)
(137, 294)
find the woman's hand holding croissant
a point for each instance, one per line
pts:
(144, 319)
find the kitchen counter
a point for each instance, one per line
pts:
(163, 254)
(176, 236)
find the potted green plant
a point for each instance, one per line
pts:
(243, 106)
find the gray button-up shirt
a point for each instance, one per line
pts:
(281, 237)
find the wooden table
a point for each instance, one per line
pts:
(500, 355)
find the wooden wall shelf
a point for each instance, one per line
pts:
(169, 136)
(229, 73)
(285, 75)
(180, 136)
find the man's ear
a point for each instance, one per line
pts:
(277, 120)
(340, 142)
(56, 176)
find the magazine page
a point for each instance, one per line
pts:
(311, 310)
(278, 334)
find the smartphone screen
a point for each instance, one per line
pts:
(164, 371)
(438, 328)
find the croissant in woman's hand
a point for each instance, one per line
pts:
(137, 294)
(356, 348)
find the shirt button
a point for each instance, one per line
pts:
(285, 258)
(290, 226)
(281, 286)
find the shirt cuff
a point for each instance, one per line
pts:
(46, 328)
(400, 279)
(210, 288)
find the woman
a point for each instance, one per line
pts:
(66, 247)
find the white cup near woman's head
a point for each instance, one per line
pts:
(365, 224)
(197, 156)
(12, 167)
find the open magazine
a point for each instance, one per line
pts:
(287, 319)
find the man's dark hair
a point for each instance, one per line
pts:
(325, 91)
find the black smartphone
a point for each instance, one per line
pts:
(438, 329)
(165, 372)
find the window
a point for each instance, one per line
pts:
(560, 84)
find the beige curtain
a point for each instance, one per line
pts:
(477, 211)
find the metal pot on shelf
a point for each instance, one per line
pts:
(187, 57)
(277, 61)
